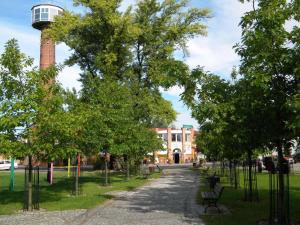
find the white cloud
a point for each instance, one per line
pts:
(69, 76)
(126, 3)
(173, 91)
(185, 118)
(62, 52)
(27, 37)
(29, 42)
(289, 25)
(215, 52)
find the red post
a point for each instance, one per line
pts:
(51, 173)
(78, 164)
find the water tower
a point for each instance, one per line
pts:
(42, 16)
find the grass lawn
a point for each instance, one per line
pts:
(58, 196)
(245, 213)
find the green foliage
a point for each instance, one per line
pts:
(126, 58)
(212, 101)
(135, 47)
(110, 122)
(33, 115)
(270, 55)
(57, 127)
(17, 92)
(260, 109)
(270, 63)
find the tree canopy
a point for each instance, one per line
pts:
(33, 120)
(135, 47)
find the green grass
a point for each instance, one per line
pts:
(58, 196)
(249, 213)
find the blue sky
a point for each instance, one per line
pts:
(214, 51)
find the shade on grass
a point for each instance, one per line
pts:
(58, 196)
(249, 213)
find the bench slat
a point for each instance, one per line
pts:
(208, 195)
(213, 195)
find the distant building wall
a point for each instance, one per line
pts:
(177, 143)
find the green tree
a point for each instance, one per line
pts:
(126, 58)
(17, 84)
(210, 99)
(20, 90)
(231, 122)
(111, 123)
(270, 54)
(57, 129)
(136, 46)
(33, 119)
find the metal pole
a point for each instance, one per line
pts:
(69, 167)
(30, 184)
(127, 170)
(12, 175)
(51, 173)
(106, 174)
(78, 164)
(76, 182)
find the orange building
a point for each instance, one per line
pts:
(179, 145)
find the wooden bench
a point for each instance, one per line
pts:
(212, 197)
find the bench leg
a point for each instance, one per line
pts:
(209, 204)
(206, 208)
(216, 206)
(212, 204)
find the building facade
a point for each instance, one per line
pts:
(178, 145)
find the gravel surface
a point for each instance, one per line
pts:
(169, 200)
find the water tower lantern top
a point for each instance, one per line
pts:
(43, 15)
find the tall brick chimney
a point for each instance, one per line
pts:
(47, 52)
(42, 16)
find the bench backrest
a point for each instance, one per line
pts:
(218, 189)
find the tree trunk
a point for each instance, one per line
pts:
(250, 193)
(49, 172)
(231, 178)
(29, 183)
(106, 173)
(281, 188)
(235, 174)
(127, 169)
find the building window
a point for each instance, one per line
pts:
(176, 137)
(187, 137)
(36, 14)
(165, 137)
(44, 14)
(173, 137)
(179, 137)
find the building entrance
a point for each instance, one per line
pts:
(176, 158)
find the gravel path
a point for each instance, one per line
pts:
(169, 200)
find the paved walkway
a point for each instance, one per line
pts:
(169, 200)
